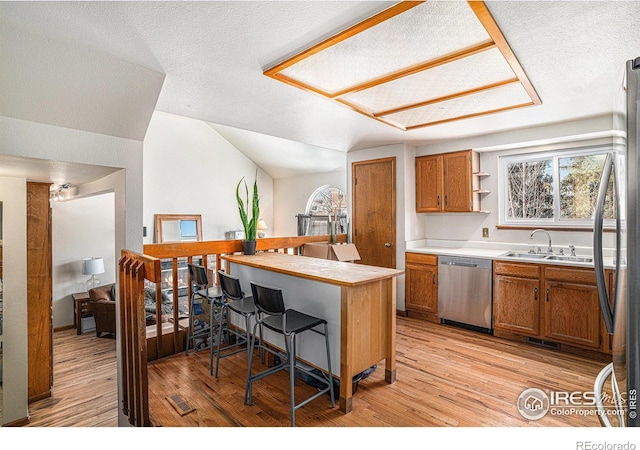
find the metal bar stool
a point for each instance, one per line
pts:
(236, 301)
(273, 315)
(201, 291)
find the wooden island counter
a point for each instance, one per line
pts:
(358, 302)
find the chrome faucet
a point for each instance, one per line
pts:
(549, 249)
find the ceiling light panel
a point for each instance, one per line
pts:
(402, 41)
(498, 99)
(415, 64)
(462, 75)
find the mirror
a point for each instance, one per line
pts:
(178, 227)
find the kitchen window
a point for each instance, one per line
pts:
(559, 188)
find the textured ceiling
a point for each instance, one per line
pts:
(214, 55)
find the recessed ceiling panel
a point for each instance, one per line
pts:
(415, 64)
(494, 100)
(402, 41)
(462, 75)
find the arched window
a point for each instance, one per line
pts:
(326, 206)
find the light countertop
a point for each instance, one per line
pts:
(324, 270)
(497, 252)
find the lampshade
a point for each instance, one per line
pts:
(92, 266)
(262, 225)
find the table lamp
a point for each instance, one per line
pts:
(92, 266)
(262, 226)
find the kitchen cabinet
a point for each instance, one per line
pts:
(516, 298)
(572, 308)
(429, 183)
(421, 286)
(449, 182)
(554, 304)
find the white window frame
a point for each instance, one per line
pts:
(554, 156)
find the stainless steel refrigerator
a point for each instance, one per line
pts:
(616, 387)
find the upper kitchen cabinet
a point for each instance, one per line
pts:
(448, 182)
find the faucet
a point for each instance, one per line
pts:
(549, 249)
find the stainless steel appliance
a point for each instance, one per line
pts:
(464, 291)
(621, 377)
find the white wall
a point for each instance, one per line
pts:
(82, 228)
(190, 169)
(290, 197)
(13, 195)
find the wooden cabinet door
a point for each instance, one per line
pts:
(457, 181)
(572, 313)
(421, 288)
(516, 304)
(429, 183)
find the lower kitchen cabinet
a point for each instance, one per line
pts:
(516, 298)
(572, 307)
(551, 303)
(421, 286)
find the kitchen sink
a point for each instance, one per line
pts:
(525, 255)
(542, 256)
(569, 258)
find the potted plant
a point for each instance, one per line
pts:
(249, 222)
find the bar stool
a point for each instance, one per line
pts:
(236, 301)
(200, 291)
(273, 315)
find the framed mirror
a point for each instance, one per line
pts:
(178, 227)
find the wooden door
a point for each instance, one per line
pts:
(457, 181)
(429, 183)
(39, 292)
(374, 211)
(516, 304)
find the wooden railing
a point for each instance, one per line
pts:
(134, 270)
(137, 271)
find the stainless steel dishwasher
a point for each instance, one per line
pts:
(464, 291)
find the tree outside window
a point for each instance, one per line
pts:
(554, 189)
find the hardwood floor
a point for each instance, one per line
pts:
(446, 377)
(84, 392)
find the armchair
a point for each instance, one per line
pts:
(103, 305)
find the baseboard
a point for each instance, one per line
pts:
(18, 423)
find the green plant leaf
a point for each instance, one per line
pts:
(249, 223)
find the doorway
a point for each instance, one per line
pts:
(374, 211)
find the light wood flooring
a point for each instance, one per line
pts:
(446, 377)
(84, 392)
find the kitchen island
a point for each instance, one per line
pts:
(358, 302)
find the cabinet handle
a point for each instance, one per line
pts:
(433, 278)
(438, 200)
(446, 200)
(535, 294)
(547, 294)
